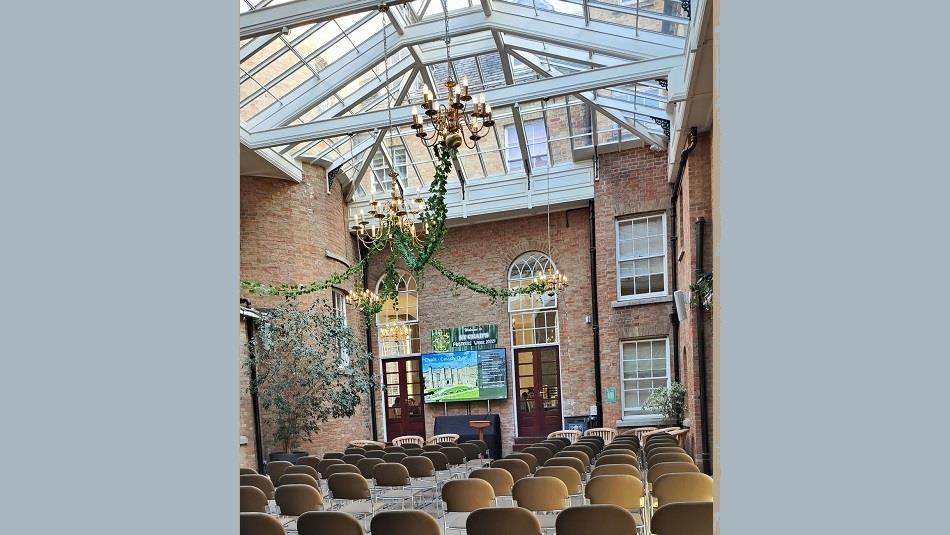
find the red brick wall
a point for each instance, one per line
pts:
(693, 201)
(484, 252)
(632, 182)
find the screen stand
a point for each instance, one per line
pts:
(445, 408)
(489, 405)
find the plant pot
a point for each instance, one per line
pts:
(284, 456)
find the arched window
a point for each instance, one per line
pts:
(398, 322)
(533, 317)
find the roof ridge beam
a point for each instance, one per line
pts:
(274, 18)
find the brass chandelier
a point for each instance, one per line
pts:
(451, 123)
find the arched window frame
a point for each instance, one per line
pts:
(534, 319)
(407, 316)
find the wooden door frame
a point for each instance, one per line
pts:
(515, 399)
(382, 392)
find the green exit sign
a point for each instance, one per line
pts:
(611, 394)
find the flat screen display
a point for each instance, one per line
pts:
(465, 375)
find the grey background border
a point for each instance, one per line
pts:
(119, 217)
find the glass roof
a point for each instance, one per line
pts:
(329, 58)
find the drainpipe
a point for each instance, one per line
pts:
(251, 324)
(701, 353)
(369, 347)
(674, 317)
(595, 325)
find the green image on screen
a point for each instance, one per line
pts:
(464, 376)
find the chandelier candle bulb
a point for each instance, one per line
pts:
(415, 117)
(465, 86)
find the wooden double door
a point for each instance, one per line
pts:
(402, 385)
(538, 391)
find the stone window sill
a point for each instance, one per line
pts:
(640, 420)
(645, 301)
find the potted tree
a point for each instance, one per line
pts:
(670, 402)
(309, 368)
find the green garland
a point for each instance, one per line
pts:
(433, 216)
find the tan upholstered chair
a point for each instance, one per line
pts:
(540, 453)
(502, 521)
(328, 523)
(528, 458)
(260, 524)
(253, 500)
(543, 495)
(563, 441)
(421, 474)
(682, 487)
(588, 450)
(303, 469)
(658, 458)
(432, 447)
(332, 455)
(569, 434)
(441, 464)
(351, 494)
(665, 449)
(516, 467)
(461, 497)
(398, 449)
(294, 500)
(482, 445)
(409, 439)
(393, 483)
(353, 450)
(683, 518)
(367, 465)
(353, 458)
(617, 458)
(404, 523)
(394, 456)
(620, 448)
(570, 462)
(611, 469)
(499, 479)
(445, 438)
(569, 476)
(298, 479)
(262, 482)
(308, 460)
(375, 454)
(248, 471)
(660, 469)
(603, 519)
(620, 489)
(275, 469)
(605, 433)
(473, 455)
(575, 454)
(343, 469)
(553, 446)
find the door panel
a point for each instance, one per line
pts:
(405, 414)
(537, 383)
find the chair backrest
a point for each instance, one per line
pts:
(651, 438)
(694, 518)
(619, 489)
(366, 466)
(409, 439)
(621, 447)
(516, 467)
(502, 521)
(298, 479)
(632, 443)
(673, 457)
(373, 447)
(394, 457)
(569, 476)
(391, 475)
(352, 450)
(540, 453)
(455, 454)
(303, 469)
(404, 523)
(499, 479)
(606, 433)
(348, 486)
(683, 487)
(576, 464)
(324, 522)
(444, 438)
(617, 458)
(326, 464)
(531, 460)
(294, 500)
(482, 445)
(609, 469)
(374, 454)
(395, 449)
(260, 524)
(472, 451)
(591, 519)
(275, 469)
(660, 469)
(467, 495)
(413, 450)
(262, 482)
(439, 460)
(248, 471)
(432, 447)
(419, 466)
(344, 469)
(540, 493)
(589, 451)
(553, 446)
(253, 500)
(569, 434)
(563, 441)
(353, 458)
(665, 449)
(658, 445)
(332, 455)
(579, 455)
(593, 445)
(308, 460)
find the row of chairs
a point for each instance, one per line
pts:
(679, 495)
(609, 433)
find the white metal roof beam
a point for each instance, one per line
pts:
(502, 96)
(522, 139)
(254, 45)
(273, 18)
(505, 60)
(367, 162)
